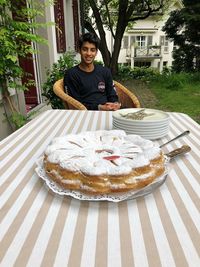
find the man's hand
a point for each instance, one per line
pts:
(109, 106)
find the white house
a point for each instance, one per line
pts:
(146, 44)
(66, 14)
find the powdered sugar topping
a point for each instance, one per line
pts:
(101, 152)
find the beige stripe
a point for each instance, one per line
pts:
(171, 235)
(14, 227)
(125, 236)
(150, 245)
(189, 138)
(101, 256)
(6, 141)
(23, 138)
(186, 183)
(35, 137)
(10, 235)
(10, 202)
(191, 168)
(99, 127)
(27, 175)
(188, 222)
(78, 240)
(187, 119)
(108, 123)
(56, 234)
(21, 165)
(34, 232)
(81, 123)
(91, 121)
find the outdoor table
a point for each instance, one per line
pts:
(41, 228)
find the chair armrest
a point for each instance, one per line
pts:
(69, 101)
(126, 97)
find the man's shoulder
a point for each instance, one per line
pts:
(72, 70)
(102, 69)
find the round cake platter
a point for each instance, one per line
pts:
(114, 197)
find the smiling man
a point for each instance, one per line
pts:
(91, 84)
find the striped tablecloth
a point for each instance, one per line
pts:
(40, 228)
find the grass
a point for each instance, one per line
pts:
(179, 93)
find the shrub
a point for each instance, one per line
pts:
(65, 62)
(138, 73)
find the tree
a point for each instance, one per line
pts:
(116, 16)
(183, 27)
(18, 26)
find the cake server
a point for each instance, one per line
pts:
(177, 152)
(178, 136)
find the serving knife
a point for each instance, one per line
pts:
(175, 138)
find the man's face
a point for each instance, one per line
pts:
(88, 53)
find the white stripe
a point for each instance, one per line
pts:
(84, 125)
(137, 236)
(89, 245)
(6, 194)
(22, 144)
(35, 144)
(177, 125)
(186, 120)
(66, 239)
(18, 241)
(106, 117)
(114, 248)
(22, 131)
(162, 244)
(94, 122)
(39, 249)
(14, 209)
(188, 203)
(187, 174)
(30, 147)
(182, 234)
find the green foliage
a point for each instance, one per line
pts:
(137, 73)
(16, 35)
(57, 71)
(183, 27)
(18, 26)
(176, 81)
(17, 119)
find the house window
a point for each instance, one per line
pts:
(164, 41)
(141, 41)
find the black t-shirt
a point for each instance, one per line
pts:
(90, 88)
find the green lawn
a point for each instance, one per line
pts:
(185, 99)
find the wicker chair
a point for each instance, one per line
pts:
(126, 98)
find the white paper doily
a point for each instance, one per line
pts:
(114, 197)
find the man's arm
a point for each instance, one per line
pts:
(71, 86)
(110, 88)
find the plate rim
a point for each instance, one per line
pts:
(116, 114)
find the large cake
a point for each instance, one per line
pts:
(103, 161)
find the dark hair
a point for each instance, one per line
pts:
(89, 37)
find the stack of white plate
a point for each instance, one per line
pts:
(148, 123)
